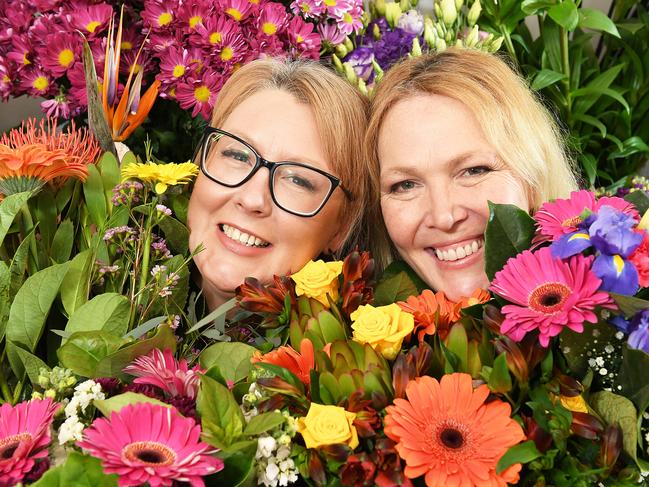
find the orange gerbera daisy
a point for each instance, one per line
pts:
(299, 363)
(31, 155)
(446, 432)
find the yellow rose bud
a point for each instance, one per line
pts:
(328, 425)
(317, 279)
(576, 403)
(384, 328)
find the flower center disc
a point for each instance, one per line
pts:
(571, 222)
(549, 298)
(149, 453)
(11, 443)
(452, 438)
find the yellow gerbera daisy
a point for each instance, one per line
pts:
(160, 175)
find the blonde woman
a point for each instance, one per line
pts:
(282, 176)
(449, 132)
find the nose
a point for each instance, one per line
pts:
(254, 196)
(445, 208)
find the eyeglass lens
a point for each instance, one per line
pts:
(295, 188)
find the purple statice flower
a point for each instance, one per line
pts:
(127, 193)
(612, 232)
(361, 60)
(122, 237)
(411, 22)
(159, 248)
(163, 210)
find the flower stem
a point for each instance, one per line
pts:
(144, 270)
(28, 225)
(565, 65)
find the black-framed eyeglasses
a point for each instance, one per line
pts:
(295, 187)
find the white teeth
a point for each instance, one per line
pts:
(244, 238)
(459, 252)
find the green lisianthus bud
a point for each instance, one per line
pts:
(474, 13)
(458, 4)
(495, 44)
(392, 13)
(438, 10)
(51, 393)
(341, 50)
(416, 47)
(376, 32)
(473, 37)
(440, 44)
(441, 31)
(449, 12)
(405, 5)
(378, 71)
(379, 5)
(429, 33)
(362, 86)
(337, 63)
(349, 44)
(350, 74)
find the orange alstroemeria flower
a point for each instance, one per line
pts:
(299, 363)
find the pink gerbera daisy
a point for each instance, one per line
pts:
(562, 216)
(162, 370)
(146, 442)
(24, 437)
(549, 294)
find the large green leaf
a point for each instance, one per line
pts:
(521, 453)
(31, 363)
(633, 377)
(618, 410)
(594, 93)
(62, 242)
(9, 208)
(222, 419)
(395, 288)
(45, 215)
(640, 200)
(565, 14)
(76, 285)
(629, 305)
(238, 468)
(93, 190)
(84, 351)
(115, 403)
(78, 470)
(509, 232)
(32, 304)
(109, 170)
(545, 78)
(602, 81)
(232, 359)
(398, 266)
(263, 422)
(5, 298)
(108, 312)
(113, 364)
(590, 18)
(96, 118)
(19, 264)
(532, 7)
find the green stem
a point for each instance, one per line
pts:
(509, 44)
(144, 273)
(28, 224)
(565, 64)
(4, 387)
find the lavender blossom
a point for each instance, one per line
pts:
(411, 22)
(361, 60)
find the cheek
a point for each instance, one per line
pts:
(400, 220)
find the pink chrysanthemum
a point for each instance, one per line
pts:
(151, 443)
(21, 53)
(231, 49)
(561, 216)
(159, 15)
(308, 8)
(302, 36)
(24, 437)
(238, 10)
(174, 64)
(212, 32)
(331, 34)
(192, 14)
(61, 53)
(36, 82)
(199, 94)
(273, 19)
(5, 82)
(162, 370)
(549, 294)
(90, 19)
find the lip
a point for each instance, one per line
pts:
(459, 263)
(458, 243)
(237, 247)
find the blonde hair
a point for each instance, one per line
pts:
(520, 128)
(340, 111)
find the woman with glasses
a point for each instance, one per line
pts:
(449, 132)
(282, 175)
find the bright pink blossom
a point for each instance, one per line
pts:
(36, 82)
(90, 19)
(159, 14)
(640, 259)
(60, 54)
(302, 36)
(273, 19)
(549, 294)
(200, 94)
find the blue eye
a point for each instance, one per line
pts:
(402, 186)
(477, 170)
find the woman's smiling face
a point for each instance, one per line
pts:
(438, 172)
(280, 129)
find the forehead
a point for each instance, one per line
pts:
(431, 128)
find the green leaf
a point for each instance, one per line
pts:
(565, 14)
(62, 242)
(109, 170)
(214, 315)
(107, 312)
(263, 422)
(631, 146)
(76, 284)
(458, 343)
(93, 190)
(596, 93)
(395, 288)
(145, 327)
(84, 351)
(589, 164)
(31, 363)
(591, 121)
(5, 299)
(590, 18)
(633, 377)
(176, 235)
(499, 380)
(509, 232)
(238, 465)
(615, 409)
(232, 359)
(552, 44)
(45, 215)
(19, 264)
(603, 80)
(532, 7)
(113, 364)
(96, 118)
(78, 470)
(9, 208)
(398, 266)
(30, 308)
(521, 453)
(629, 305)
(115, 403)
(222, 419)
(545, 78)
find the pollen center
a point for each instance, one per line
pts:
(202, 94)
(269, 28)
(41, 83)
(11, 443)
(452, 438)
(234, 13)
(571, 222)
(66, 56)
(196, 19)
(226, 53)
(149, 453)
(179, 70)
(549, 298)
(215, 37)
(164, 19)
(92, 26)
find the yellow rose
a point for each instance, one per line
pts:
(384, 328)
(328, 425)
(576, 403)
(317, 279)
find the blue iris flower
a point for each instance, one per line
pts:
(612, 232)
(618, 275)
(638, 331)
(571, 244)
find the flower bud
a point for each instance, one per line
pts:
(472, 38)
(416, 47)
(348, 44)
(474, 13)
(610, 447)
(405, 5)
(350, 74)
(441, 31)
(337, 63)
(449, 12)
(51, 393)
(341, 50)
(429, 33)
(586, 425)
(378, 71)
(379, 5)
(376, 32)
(362, 86)
(495, 44)
(458, 4)
(392, 14)
(440, 44)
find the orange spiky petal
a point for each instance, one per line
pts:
(146, 103)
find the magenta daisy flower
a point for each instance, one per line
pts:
(192, 14)
(174, 64)
(301, 35)
(231, 49)
(238, 10)
(350, 20)
(24, 437)
(273, 19)
(308, 8)
(90, 19)
(151, 443)
(200, 94)
(161, 41)
(61, 53)
(158, 14)
(162, 370)
(36, 82)
(213, 30)
(549, 294)
(21, 52)
(562, 216)
(331, 34)
(5, 81)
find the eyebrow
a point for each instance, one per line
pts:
(459, 159)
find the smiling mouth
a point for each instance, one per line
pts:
(459, 252)
(242, 237)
